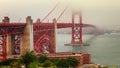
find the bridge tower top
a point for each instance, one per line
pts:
(6, 20)
(74, 13)
(28, 19)
(38, 20)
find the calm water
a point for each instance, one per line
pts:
(104, 49)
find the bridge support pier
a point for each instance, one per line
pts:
(3, 38)
(27, 37)
(55, 32)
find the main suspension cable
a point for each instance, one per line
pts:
(49, 12)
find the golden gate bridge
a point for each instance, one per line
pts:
(43, 33)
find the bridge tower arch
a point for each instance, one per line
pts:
(44, 45)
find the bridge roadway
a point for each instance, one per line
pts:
(49, 26)
(63, 25)
(13, 28)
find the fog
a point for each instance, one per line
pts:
(103, 13)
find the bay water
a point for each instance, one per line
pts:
(104, 49)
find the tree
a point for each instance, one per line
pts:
(34, 64)
(72, 62)
(47, 63)
(54, 60)
(42, 58)
(15, 64)
(28, 58)
(8, 61)
(62, 63)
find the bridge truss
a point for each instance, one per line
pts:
(43, 34)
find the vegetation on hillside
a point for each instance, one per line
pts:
(29, 60)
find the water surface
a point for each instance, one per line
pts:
(104, 49)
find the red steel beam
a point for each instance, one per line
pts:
(12, 24)
(60, 25)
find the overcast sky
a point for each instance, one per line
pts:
(97, 12)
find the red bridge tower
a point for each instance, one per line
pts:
(76, 30)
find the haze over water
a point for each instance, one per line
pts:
(104, 49)
(103, 13)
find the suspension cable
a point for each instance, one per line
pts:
(49, 13)
(62, 13)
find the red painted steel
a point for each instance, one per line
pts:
(4, 36)
(76, 30)
(80, 38)
(44, 37)
(43, 45)
(3, 44)
(9, 28)
(43, 33)
(12, 24)
(48, 25)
